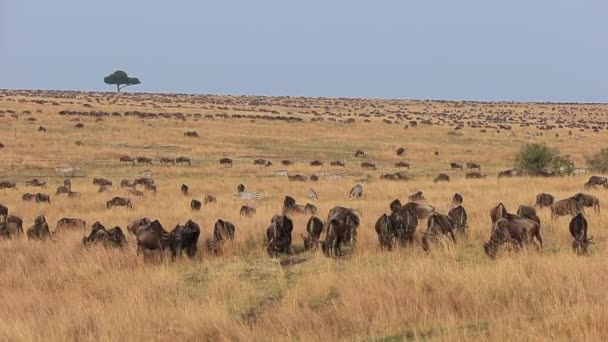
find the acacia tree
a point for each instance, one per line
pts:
(121, 80)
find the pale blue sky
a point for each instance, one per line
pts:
(542, 50)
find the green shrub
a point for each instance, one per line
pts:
(598, 161)
(538, 157)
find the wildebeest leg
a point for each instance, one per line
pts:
(452, 236)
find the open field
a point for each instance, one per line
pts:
(60, 290)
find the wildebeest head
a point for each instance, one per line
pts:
(395, 205)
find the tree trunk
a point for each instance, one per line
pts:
(118, 88)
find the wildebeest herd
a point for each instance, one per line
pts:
(397, 228)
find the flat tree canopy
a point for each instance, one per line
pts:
(121, 80)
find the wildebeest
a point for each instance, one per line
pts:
(588, 201)
(62, 190)
(473, 165)
(222, 231)
(39, 230)
(419, 209)
(474, 175)
(395, 205)
(337, 163)
(528, 212)
(16, 220)
(314, 228)
(28, 197)
(3, 211)
(578, 229)
(191, 134)
(247, 211)
(153, 237)
(143, 160)
(507, 174)
(136, 225)
(286, 162)
(240, 188)
(127, 159)
(316, 163)
(400, 225)
(417, 196)
(596, 180)
(70, 224)
(459, 215)
(8, 185)
(437, 225)
(184, 189)
(402, 164)
(35, 182)
(442, 177)
(40, 197)
(150, 187)
(516, 230)
(67, 183)
(144, 181)
(368, 165)
(263, 162)
(185, 238)
(314, 178)
(226, 162)
(359, 154)
(456, 166)
(183, 160)
(278, 235)
(119, 202)
(209, 199)
(567, 206)
(108, 238)
(297, 178)
(9, 229)
(356, 192)
(385, 232)
(195, 204)
(102, 181)
(347, 222)
(126, 183)
(544, 200)
(290, 207)
(134, 192)
(167, 160)
(457, 199)
(400, 152)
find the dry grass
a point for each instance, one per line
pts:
(61, 291)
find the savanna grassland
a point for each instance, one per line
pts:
(60, 290)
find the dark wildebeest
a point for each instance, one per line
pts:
(314, 178)
(16, 220)
(316, 163)
(499, 212)
(28, 197)
(278, 235)
(544, 200)
(127, 159)
(385, 232)
(402, 164)
(144, 181)
(104, 188)
(359, 154)
(184, 189)
(126, 183)
(40, 197)
(419, 209)
(150, 187)
(578, 230)
(567, 206)
(297, 178)
(102, 181)
(222, 231)
(195, 204)
(337, 234)
(474, 175)
(290, 207)
(348, 219)
(263, 162)
(457, 199)
(247, 211)
(70, 224)
(314, 228)
(528, 212)
(143, 160)
(400, 152)
(3, 211)
(226, 162)
(191, 134)
(183, 160)
(442, 177)
(119, 202)
(436, 226)
(62, 190)
(507, 174)
(368, 165)
(456, 166)
(395, 205)
(402, 226)
(9, 229)
(595, 181)
(336, 163)
(286, 162)
(416, 197)
(136, 225)
(459, 215)
(153, 237)
(108, 238)
(209, 199)
(473, 165)
(35, 182)
(240, 188)
(185, 238)
(40, 230)
(8, 185)
(515, 230)
(356, 192)
(588, 201)
(167, 160)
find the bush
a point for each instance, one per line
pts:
(599, 161)
(536, 158)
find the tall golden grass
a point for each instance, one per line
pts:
(61, 291)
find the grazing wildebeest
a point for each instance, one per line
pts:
(314, 228)
(143, 160)
(567, 206)
(456, 166)
(8, 185)
(209, 199)
(316, 163)
(385, 232)
(40, 230)
(16, 220)
(167, 160)
(278, 235)
(247, 211)
(40, 197)
(222, 231)
(359, 154)
(153, 237)
(402, 225)
(312, 195)
(62, 190)
(588, 201)
(314, 178)
(596, 180)
(297, 178)
(457, 199)
(416, 197)
(474, 175)
(127, 159)
(578, 229)
(108, 238)
(286, 162)
(104, 188)
(336, 163)
(35, 182)
(348, 219)
(9, 229)
(183, 160)
(136, 225)
(226, 162)
(515, 230)
(41, 129)
(507, 174)
(337, 234)
(185, 238)
(102, 181)
(442, 177)
(403, 164)
(436, 226)
(420, 210)
(544, 200)
(70, 224)
(356, 192)
(28, 197)
(3, 211)
(191, 134)
(459, 215)
(400, 152)
(368, 165)
(240, 188)
(184, 189)
(473, 165)
(119, 202)
(195, 204)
